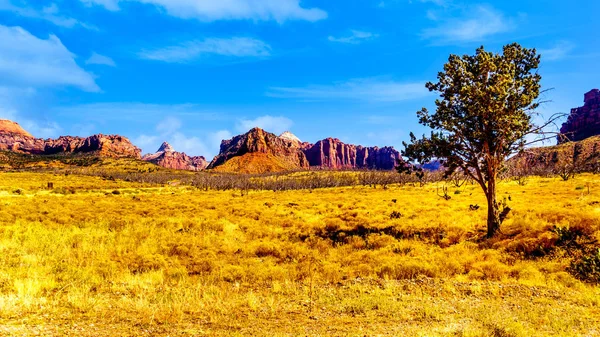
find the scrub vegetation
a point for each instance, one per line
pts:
(97, 255)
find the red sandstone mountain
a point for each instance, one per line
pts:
(14, 138)
(265, 152)
(167, 157)
(583, 122)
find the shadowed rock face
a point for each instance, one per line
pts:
(259, 141)
(328, 153)
(167, 157)
(14, 138)
(583, 122)
(333, 153)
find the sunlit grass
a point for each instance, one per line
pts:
(137, 259)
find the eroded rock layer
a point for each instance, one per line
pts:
(14, 138)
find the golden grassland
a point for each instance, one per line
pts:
(96, 257)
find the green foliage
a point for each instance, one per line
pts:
(587, 267)
(483, 115)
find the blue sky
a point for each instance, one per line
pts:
(193, 72)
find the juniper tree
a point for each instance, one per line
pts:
(484, 112)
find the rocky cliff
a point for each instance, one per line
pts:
(268, 152)
(14, 138)
(583, 122)
(167, 157)
(274, 153)
(334, 154)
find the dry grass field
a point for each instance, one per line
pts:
(96, 257)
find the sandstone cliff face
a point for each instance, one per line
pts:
(167, 157)
(583, 122)
(286, 152)
(10, 127)
(334, 154)
(13, 139)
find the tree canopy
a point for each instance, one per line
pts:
(484, 113)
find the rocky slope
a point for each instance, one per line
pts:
(583, 122)
(281, 153)
(581, 156)
(14, 138)
(287, 152)
(167, 157)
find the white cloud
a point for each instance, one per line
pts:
(169, 130)
(111, 5)
(213, 10)
(355, 37)
(120, 111)
(28, 60)
(215, 138)
(388, 137)
(11, 99)
(49, 13)
(191, 145)
(479, 23)
(273, 124)
(41, 130)
(146, 142)
(188, 51)
(100, 60)
(168, 125)
(368, 89)
(559, 51)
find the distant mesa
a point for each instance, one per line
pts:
(167, 157)
(14, 138)
(334, 154)
(258, 151)
(583, 122)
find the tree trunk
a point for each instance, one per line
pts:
(493, 219)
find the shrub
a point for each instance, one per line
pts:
(587, 267)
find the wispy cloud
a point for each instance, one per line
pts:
(98, 59)
(559, 51)
(13, 106)
(367, 89)
(213, 10)
(476, 24)
(134, 111)
(355, 37)
(387, 3)
(237, 47)
(50, 13)
(31, 61)
(275, 124)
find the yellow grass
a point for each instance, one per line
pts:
(96, 257)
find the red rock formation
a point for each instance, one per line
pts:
(286, 152)
(14, 138)
(10, 127)
(167, 157)
(583, 122)
(333, 153)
